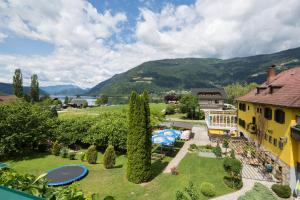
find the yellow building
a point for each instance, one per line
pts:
(269, 116)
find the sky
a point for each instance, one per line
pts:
(84, 42)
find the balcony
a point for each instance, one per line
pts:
(295, 132)
(252, 128)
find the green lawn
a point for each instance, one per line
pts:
(113, 182)
(70, 113)
(259, 191)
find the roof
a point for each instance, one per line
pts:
(184, 125)
(4, 99)
(78, 101)
(210, 93)
(11, 194)
(283, 90)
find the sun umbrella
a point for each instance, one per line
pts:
(170, 132)
(164, 140)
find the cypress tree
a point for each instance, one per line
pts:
(34, 92)
(18, 83)
(139, 139)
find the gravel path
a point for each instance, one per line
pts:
(200, 138)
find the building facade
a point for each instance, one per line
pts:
(210, 98)
(269, 116)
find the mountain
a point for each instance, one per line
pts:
(186, 73)
(7, 88)
(69, 90)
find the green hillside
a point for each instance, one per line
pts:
(185, 73)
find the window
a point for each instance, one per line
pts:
(280, 116)
(280, 144)
(270, 139)
(298, 119)
(275, 142)
(216, 101)
(266, 136)
(268, 113)
(248, 107)
(253, 120)
(242, 123)
(242, 106)
(257, 110)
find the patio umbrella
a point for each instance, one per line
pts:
(170, 132)
(163, 140)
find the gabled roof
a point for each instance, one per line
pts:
(210, 93)
(284, 90)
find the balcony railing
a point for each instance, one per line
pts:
(295, 132)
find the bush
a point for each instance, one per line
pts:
(232, 182)
(82, 156)
(208, 189)
(64, 152)
(56, 148)
(283, 191)
(232, 165)
(91, 154)
(170, 109)
(232, 154)
(109, 158)
(72, 155)
(217, 151)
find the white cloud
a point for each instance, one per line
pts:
(2, 37)
(84, 54)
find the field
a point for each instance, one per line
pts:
(71, 113)
(113, 182)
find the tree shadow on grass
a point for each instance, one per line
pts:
(157, 167)
(30, 156)
(118, 166)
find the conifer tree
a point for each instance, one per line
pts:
(18, 83)
(139, 139)
(34, 92)
(109, 158)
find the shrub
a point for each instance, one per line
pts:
(208, 189)
(234, 168)
(283, 191)
(72, 155)
(91, 154)
(109, 158)
(109, 198)
(225, 144)
(56, 148)
(232, 182)
(82, 156)
(217, 151)
(64, 152)
(232, 154)
(170, 109)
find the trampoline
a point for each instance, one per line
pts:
(66, 174)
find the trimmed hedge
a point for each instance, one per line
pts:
(208, 189)
(56, 148)
(283, 191)
(91, 154)
(109, 158)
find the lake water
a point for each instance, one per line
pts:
(91, 100)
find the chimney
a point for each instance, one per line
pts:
(271, 74)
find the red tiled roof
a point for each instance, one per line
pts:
(10, 98)
(286, 90)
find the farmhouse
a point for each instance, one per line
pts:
(210, 98)
(269, 116)
(78, 103)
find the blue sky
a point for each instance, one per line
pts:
(85, 42)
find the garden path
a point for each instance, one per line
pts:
(200, 138)
(247, 186)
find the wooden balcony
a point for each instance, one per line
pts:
(295, 132)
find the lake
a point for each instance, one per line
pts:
(91, 100)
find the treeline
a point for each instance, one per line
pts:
(236, 90)
(26, 128)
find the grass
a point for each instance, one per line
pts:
(90, 112)
(113, 181)
(259, 191)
